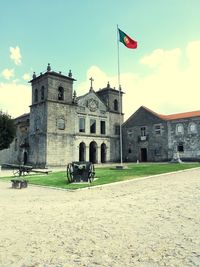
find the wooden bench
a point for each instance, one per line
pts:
(19, 183)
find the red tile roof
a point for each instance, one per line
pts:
(176, 116)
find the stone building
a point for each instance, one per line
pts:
(62, 127)
(149, 136)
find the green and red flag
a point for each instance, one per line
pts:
(127, 40)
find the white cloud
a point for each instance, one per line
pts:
(169, 88)
(15, 98)
(26, 77)
(8, 73)
(100, 80)
(15, 55)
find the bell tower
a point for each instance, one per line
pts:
(52, 94)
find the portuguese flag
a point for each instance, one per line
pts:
(126, 40)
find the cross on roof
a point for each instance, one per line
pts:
(92, 80)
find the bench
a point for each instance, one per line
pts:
(19, 183)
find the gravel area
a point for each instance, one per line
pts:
(142, 223)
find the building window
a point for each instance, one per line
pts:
(157, 151)
(103, 127)
(92, 126)
(60, 93)
(130, 133)
(179, 129)
(192, 128)
(129, 151)
(36, 95)
(157, 129)
(116, 106)
(61, 124)
(180, 147)
(143, 131)
(42, 93)
(81, 125)
(117, 129)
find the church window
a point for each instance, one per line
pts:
(129, 151)
(60, 93)
(179, 129)
(81, 125)
(117, 129)
(116, 105)
(61, 124)
(36, 95)
(42, 93)
(180, 147)
(103, 127)
(192, 128)
(92, 126)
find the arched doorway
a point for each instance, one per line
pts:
(82, 151)
(103, 153)
(93, 152)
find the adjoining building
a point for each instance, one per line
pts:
(149, 136)
(62, 127)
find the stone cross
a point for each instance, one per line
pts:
(92, 80)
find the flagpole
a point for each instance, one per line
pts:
(120, 97)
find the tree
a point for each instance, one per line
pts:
(7, 130)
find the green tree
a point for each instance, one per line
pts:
(7, 130)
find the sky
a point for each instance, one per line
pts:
(163, 73)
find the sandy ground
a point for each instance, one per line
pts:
(143, 223)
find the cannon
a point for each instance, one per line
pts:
(23, 170)
(80, 171)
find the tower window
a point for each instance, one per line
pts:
(117, 129)
(36, 95)
(42, 93)
(116, 106)
(60, 93)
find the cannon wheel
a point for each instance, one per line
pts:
(91, 173)
(70, 173)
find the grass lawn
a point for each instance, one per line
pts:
(107, 175)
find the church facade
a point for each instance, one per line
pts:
(62, 127)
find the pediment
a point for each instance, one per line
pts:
(91, 103)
